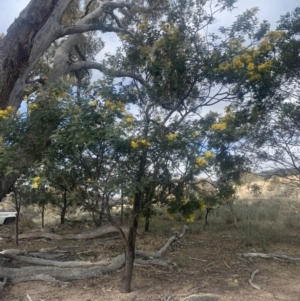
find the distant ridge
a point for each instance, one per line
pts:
(281, 172)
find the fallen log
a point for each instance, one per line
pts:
(272, 256)
(159, 253)
(98, 232)
(63, 273)
(61, 264)
(59, 273)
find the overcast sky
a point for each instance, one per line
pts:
(270, 10)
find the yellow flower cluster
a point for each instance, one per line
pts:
(202, 206)
(93, 103)
(219, 126)
(31, 107)
(266, 66)
(209, 154)
(56, 93)
(140, 143)
(195, 134)
(129, 119)
(248, 60)
(237, 63)
(143, 26)
(5, 114)
(191, 218)
(200, 162)
(172, 136)
(265, 46)
(36, 182)
(118, 106)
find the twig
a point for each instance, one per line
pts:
(241, 259)
(29, 298)
(226, 264)
(251, 280)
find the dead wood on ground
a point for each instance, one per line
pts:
(278, 257)
(98, 232)
(251, 280)
(57, 271)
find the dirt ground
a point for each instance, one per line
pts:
(204, 263)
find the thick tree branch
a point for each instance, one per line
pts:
(36, 41)
(103, 69)
(18, 44)
(41, 38)
(90, 27)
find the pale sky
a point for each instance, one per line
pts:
(270, 10)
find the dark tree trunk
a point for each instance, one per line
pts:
(43, 214)
(17, 227)
(130, 248)
(122, 208)
(16, 46)
(147, 219)
(206, 215)
(18, 209)
(147, 224)
(101, 212)
(64, 208)
(62, 215)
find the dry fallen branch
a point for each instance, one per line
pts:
(271, 256)
(29, 298)
(98, 232)
(61, 264)
(159, 253)
(61, 271)
(41, 254)
(251, 280)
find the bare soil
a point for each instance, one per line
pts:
(204, 262)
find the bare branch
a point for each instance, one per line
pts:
(81, 28)
(102, 68)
